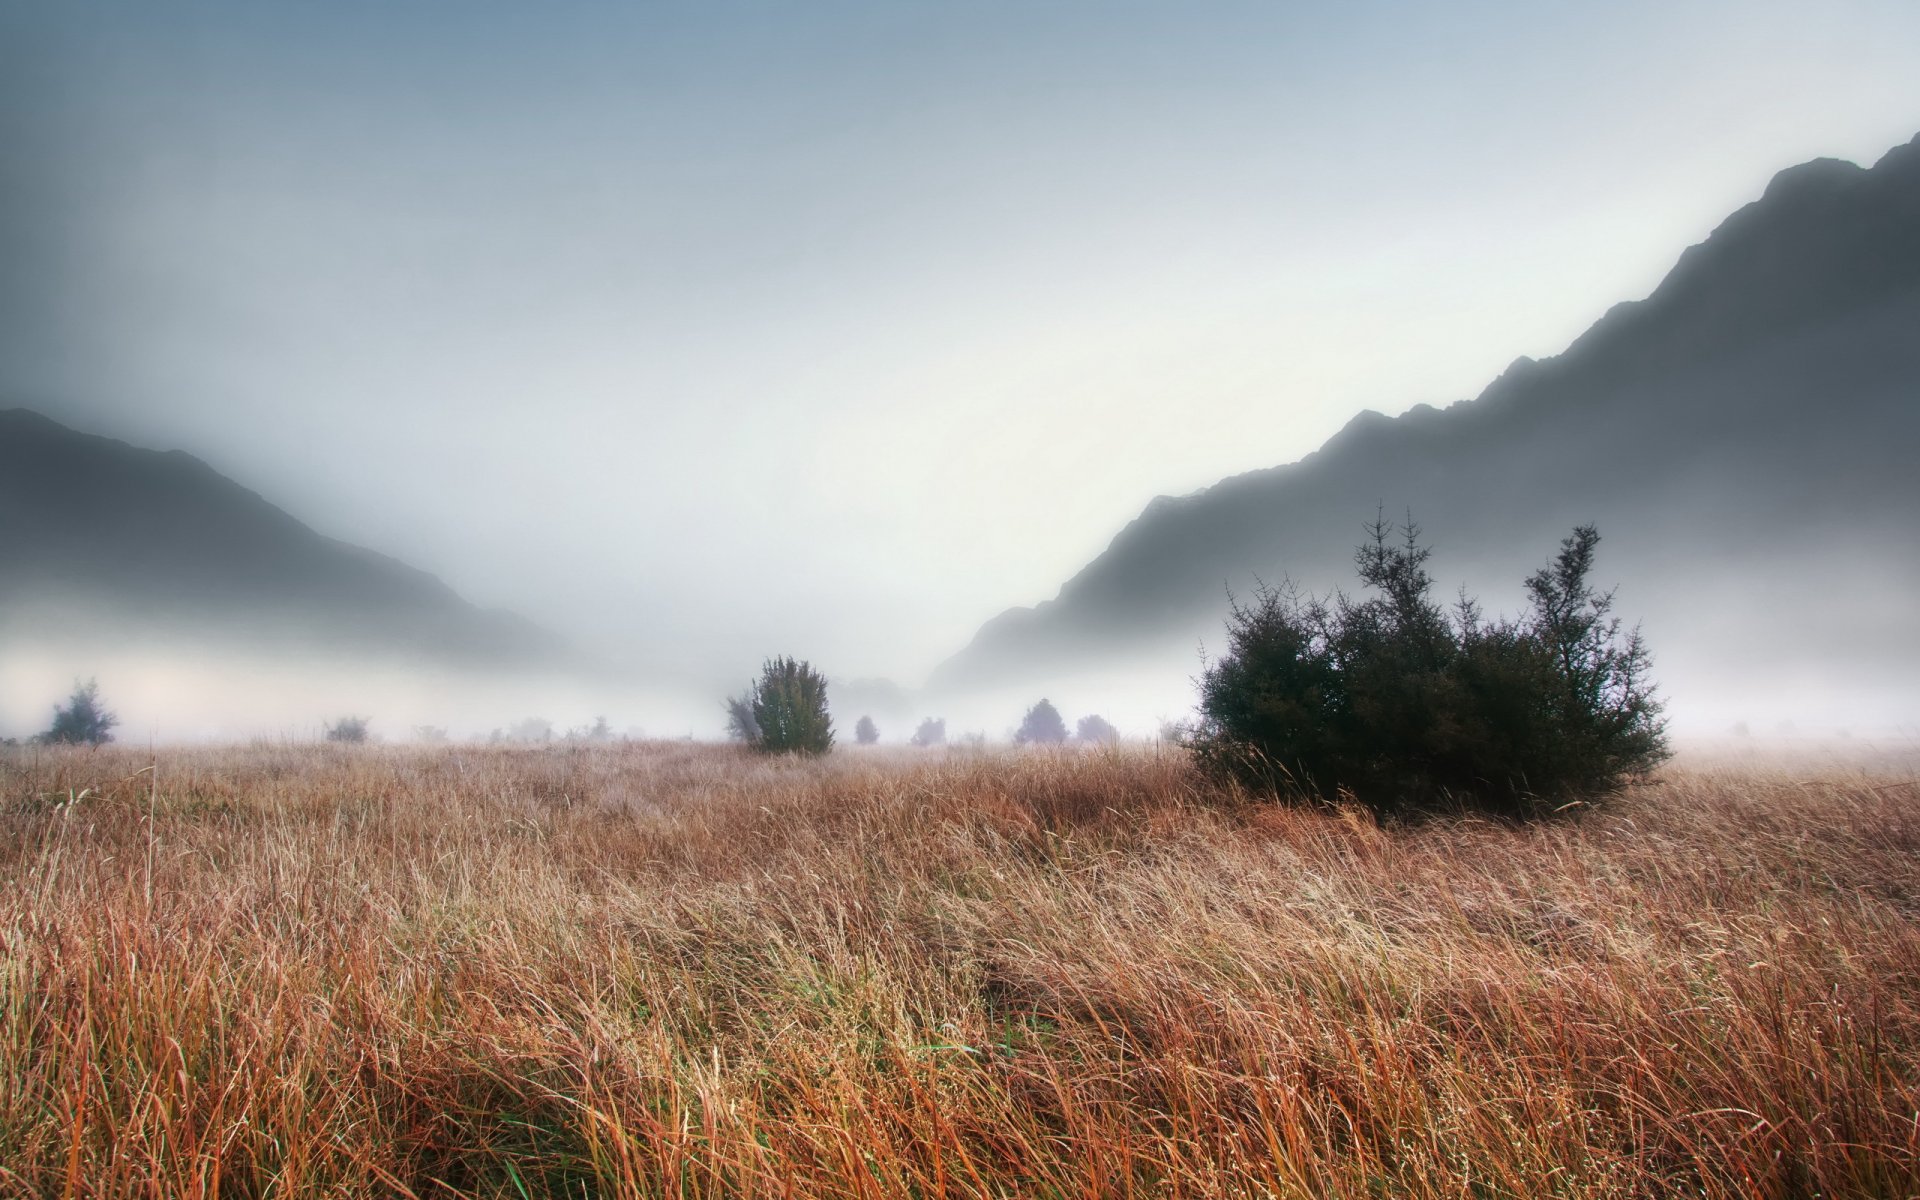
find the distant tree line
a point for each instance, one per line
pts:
(1393, 700)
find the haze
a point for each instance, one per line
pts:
(711, 331)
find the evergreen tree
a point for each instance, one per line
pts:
(932, 732)
(1095, 729)
(1042, 725)
(786, 710)
(1402, 704)
(83, 721)
(866, 732)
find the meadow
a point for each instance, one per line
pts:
(676, 970)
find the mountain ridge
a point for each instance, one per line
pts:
(1804, 297)
(95, 530)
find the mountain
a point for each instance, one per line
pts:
(96, 534)
(1743, 437)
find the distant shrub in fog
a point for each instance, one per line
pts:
(785, 710)
(430, 735)
(1042, 725)
(531, 730)
(528, 731)
(599, 732)
(82, 722)
(932, 732)
(1095, 729)
(741, 727)
(865, 731)
(352, 730)
(1404, 705)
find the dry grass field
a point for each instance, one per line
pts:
(667, 970)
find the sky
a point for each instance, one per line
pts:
(708, 331)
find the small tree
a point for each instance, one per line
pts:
(786, 710)
(83, 721)
(932, 732)
(1095, 729)
(351, 730)
(866, 732)
(1402, 704)
(1042, 725)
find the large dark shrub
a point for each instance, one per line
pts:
(865, 731)
(786, 710)
(83, 721)
(1404, 705)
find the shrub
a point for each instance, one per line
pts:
(785, 711)
(352, 730)
(599, 733)
(536, 731)
(1095, 728)
(741, 727)
(1042, 725)
(866, 732)
(1403, 705)
(932, 732)
(82, 721)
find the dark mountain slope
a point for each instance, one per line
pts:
(93, 530)
(1746, 430)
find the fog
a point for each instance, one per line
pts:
(170, 694)
(699, 335)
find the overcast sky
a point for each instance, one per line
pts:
(731, 329)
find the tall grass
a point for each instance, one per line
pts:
(688, 972)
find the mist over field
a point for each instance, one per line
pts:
(570, 365)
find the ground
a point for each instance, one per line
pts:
(677, 970)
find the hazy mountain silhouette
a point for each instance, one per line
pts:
(98, 534)
(1744, 437)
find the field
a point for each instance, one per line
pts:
(676, 970)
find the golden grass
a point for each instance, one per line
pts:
(680, 971)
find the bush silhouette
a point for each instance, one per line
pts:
(1404, 705)
(932, 732)
(352, 730)
(598, 733)
(1042, 725)
(1095, 729)
(82, 721)
(865, 731)
(786, 710)
(741, 727)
